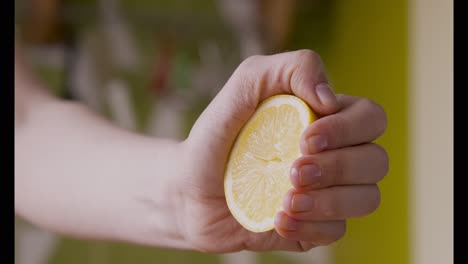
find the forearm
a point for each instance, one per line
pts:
(79, 175)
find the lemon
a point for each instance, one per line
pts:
(257, 173)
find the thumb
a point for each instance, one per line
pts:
(300, 73)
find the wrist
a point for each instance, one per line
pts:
(158, 197)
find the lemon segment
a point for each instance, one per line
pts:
(257, 172)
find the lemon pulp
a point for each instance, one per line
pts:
(257, 172)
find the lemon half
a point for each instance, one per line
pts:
(257, 173)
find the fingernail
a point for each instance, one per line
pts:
(302, 202)
(277, 219)
(310, 175)
(296, 181)
(325, 94)
(287, 201)
(316, 143)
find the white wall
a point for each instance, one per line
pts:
(431, 126)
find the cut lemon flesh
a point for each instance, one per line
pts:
(257, 172)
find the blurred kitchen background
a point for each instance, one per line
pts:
(153, 66)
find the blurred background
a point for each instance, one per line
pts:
(153, 66)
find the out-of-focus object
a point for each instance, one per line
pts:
(34, 245)
(277, 21)
(163, 66)
(262, 26)
(40, 21)
(244, 17)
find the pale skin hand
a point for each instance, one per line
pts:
(79, 175)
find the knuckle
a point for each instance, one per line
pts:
(305, 247)
(380, 116)
(308, 55)
(375, 200)
(341, 231)
(338, 130)
(338, 233)
(330, 204)
(250, 62)
(382, 155)
(338, 169)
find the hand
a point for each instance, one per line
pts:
(334, 180)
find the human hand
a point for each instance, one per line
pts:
(335, 179)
